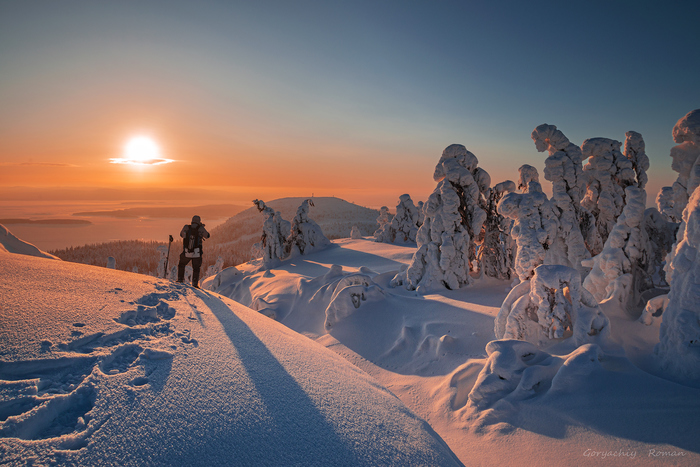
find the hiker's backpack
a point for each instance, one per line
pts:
(192, 243)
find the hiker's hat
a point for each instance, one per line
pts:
(196, 220)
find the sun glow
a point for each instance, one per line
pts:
(141, 150)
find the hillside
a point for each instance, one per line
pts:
(103, 367)
(233, 239)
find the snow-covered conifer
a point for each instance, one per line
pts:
(609, 172)
(634, 151)
(672, 200)
(306, 235)
(534, 228)
(403, 227)
(163, 250)
(421, 216)
(564, 169)
(620, 270)
(497, 253)
(111, 263)
(453, 223)
(384, 232)
(679, 346)
(355, 233)
(527, 174)
(215, 268)
(549, 306)
(275, 233)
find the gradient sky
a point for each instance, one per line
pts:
(355, 99)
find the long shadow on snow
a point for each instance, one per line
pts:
(669, 420)
(286, 402)
(336, 255)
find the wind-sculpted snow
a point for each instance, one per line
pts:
(452, 227)
(564, 169)
(12, 244)
(516, 371)
(686, 161)
(552, 305)
(679, 346)
(535, 227)
(348, 294)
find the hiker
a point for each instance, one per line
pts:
(193, 235)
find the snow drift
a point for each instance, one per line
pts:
(12, 244)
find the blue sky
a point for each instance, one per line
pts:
(358, 89)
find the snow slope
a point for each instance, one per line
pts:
(104, 367)
(12, 244)
(567, 405)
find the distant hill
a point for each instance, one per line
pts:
(234, 238)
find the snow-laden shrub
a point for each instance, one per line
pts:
(403, 227)
(163, 251)
(274, 237)
(111, 263)
(535, 227)
(306, 235)
(609, 172)
(621, 269)
(497, 252)
(552, 305)
(564, 169)
(672, 200)
(453, 223)
(355, 233)
(348, 294)
(384, 233)
(679, 346)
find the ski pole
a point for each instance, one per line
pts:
(165, 272)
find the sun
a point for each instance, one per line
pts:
(141, 150)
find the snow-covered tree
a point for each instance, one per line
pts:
(383, 233)
(686, 161)
(111, 263)
(535, 227)
(403, 227)
(355, 233)
(527, 174)
(679, 346)
(274, 237)
(620, 270)
(553, 305)
(421, 216)
(306, 235)
(215, 268)
(609, 172)
(497, 253)
(564, 169)
(163, 251)
(453, 223)
(634, 151)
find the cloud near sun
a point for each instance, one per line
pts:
(141, 150)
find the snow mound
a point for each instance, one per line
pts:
(348, 294)
(12, 244)
(518, 370)
(204, 381)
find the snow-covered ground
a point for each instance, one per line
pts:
(104, 367)
(608, 400)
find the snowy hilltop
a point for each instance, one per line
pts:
(104, 367)
(11, 244)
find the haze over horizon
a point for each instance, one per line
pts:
(355, 100)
